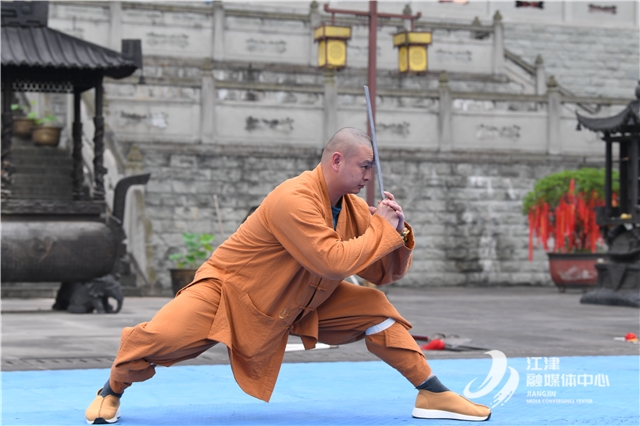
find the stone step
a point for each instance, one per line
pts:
(37, 151)
(43, 170)
(28, 157)
(49, 181)
(42, 193)
(30, 290)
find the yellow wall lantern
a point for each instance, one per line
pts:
(412, 50)
(332, 45)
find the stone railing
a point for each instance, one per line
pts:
(295, 104)
(227, 111)
(227, 33)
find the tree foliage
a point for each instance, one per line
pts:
(561, 207)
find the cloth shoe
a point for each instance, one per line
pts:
(103, 410)
(448, 405)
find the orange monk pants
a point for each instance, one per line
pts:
(179, 332)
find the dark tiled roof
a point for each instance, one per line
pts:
(627, 119)
(36, 47)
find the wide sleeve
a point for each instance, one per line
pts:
(296, 220)
(393, 266)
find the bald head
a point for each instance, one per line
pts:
(347, 163)
(345, 141)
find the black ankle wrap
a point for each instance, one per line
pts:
(432, 385)
(106, 390)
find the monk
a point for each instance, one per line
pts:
(282, 273)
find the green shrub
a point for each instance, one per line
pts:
(198, 248)
(552, 188)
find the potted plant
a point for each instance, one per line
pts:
(198, 248)
(24, 119)
(46, 132)
(560, 210)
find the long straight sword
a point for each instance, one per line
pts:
(376, 157)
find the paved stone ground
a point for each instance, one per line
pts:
(519, 321)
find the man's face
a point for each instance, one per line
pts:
(357, 169)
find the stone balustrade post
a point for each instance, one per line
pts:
(498, 44)
(541, 79)
(218, 31)
(445, 140)
(115, 25)
(554, 111)
(330, 112)
(314, 22)
(207, 103)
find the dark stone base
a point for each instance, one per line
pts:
(619, 277)
(607, 296)
(29, 290)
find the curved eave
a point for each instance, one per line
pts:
(39, 48)
(621, 122)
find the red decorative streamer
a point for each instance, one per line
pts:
(572, 223)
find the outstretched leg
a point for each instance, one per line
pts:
(353, 313)
(176, 333)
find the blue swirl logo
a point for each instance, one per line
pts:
(494, 378)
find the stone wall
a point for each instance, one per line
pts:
(587, 61)
(233, 105)
(464, 207)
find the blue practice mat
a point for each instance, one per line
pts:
(546, 391)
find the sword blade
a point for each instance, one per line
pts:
(376, 157)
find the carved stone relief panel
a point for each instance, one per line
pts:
(150, 92)
(472, 105)
(461, 56)
(409, 129)
(264, 98)
(491, 132)
(170, 40)
(280, 125)
(397, 129)
(622, 12)
(166, 18)
(244, 124)
(186, 19)
(453, 55)
(84, 12)
(157, 121)
(266, 25)
(500, 131)
(266, 47)
(392, 102)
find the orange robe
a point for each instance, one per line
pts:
(285, 262)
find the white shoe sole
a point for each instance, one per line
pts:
(422, 413)
(106, 421)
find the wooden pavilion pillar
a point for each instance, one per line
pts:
(7, 129)
(98, 144)
(77, 144)
(634, 179)
(608, 184)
